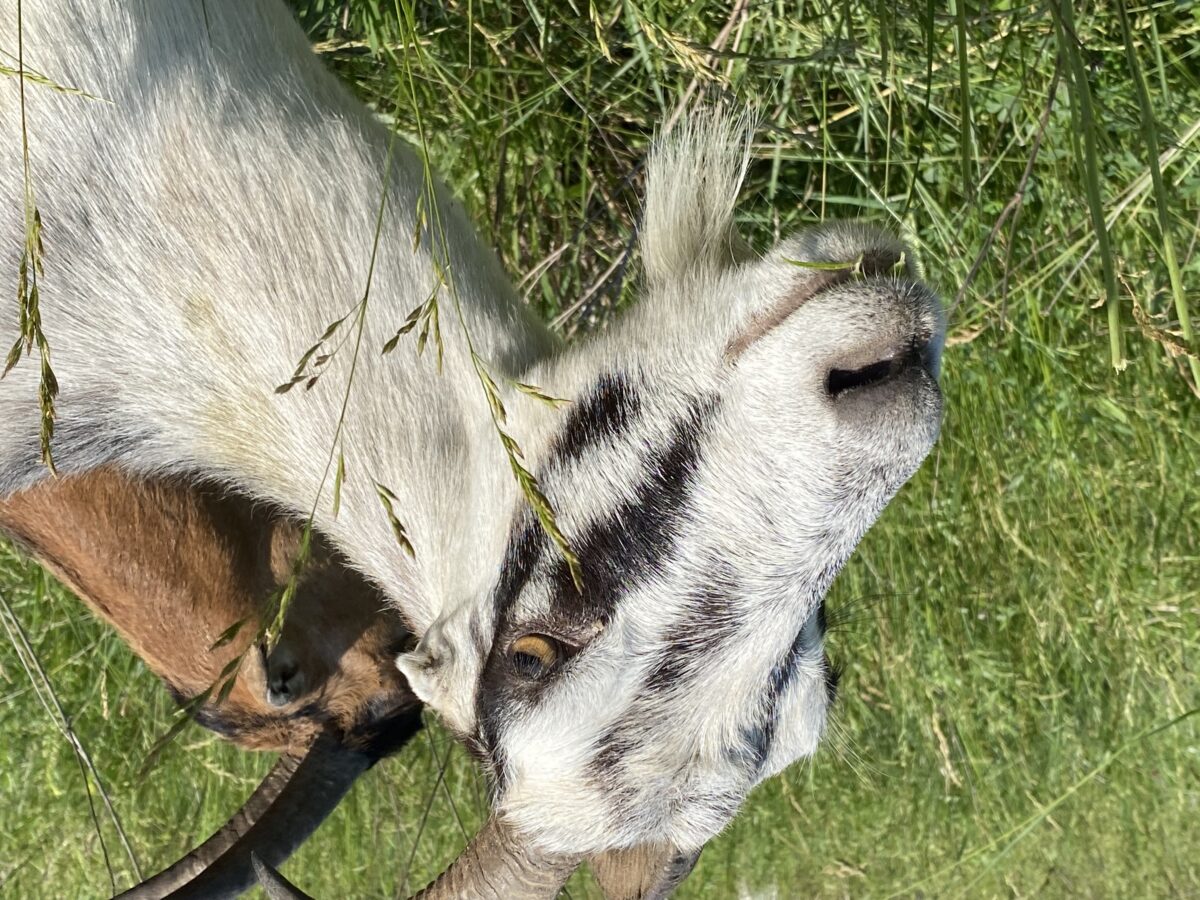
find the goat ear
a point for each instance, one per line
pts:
(692, 182)
(443, 677)
(421, 669)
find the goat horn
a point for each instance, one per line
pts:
(496, 865)
(197, 860)
(295, 797)
(274, 885)
(648, 872)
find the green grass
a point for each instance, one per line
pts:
(1026, 611)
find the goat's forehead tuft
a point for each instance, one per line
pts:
(693, 178)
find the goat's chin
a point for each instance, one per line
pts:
(572, 821)
(576, 814)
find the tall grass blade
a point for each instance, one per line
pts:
(1150, 136)
(965, 144)
(1081, 94)
(44, 688)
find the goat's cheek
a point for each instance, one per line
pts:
(549, 800)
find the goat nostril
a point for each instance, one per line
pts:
(278, 696)
(284, 683)
(918, 354)
(838, 381)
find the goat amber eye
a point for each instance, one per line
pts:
(534, 655)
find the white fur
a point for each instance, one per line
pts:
(214, 209)
(698, 170)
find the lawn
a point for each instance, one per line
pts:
(1019, 631)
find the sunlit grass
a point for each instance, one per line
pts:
(1024, 610)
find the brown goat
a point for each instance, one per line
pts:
(171, 567)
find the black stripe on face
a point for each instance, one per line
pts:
(622, 551)
(625, 551)
(525, 548)
(629, 545)
(600, 417)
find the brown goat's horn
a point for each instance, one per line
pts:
(197, 860)
(294, 798)
(496, 865)
(274, 885)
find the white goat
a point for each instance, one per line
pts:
(209, 207)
